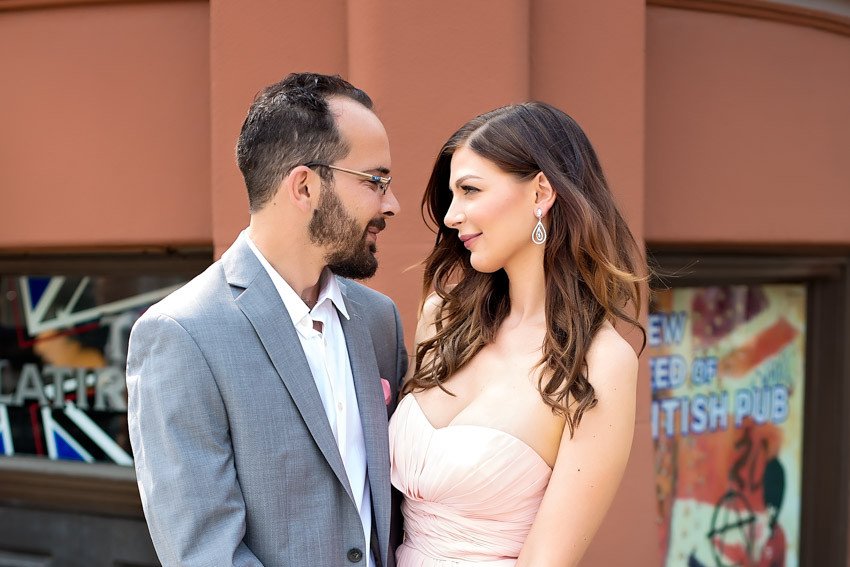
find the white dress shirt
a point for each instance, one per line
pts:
(327, 355)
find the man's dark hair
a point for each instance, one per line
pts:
(290, 124)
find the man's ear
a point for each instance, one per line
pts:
(544, 195)
(300, 187)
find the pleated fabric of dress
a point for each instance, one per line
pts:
(471, 492)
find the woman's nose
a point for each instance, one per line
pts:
(454, 216)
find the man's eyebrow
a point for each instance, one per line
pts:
(464, 178)
(382, 170)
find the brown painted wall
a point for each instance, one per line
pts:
(748, 131)
(104, 126)
(118, 123)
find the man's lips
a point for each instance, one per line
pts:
(373, 232)
(375, 227)
(468, 239)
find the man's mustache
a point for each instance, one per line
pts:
(379, 223)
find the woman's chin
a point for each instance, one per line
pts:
(480, 264)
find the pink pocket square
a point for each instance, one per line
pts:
(387, 390)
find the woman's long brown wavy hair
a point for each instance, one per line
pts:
(593, 267)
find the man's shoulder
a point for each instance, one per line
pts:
(199, 297)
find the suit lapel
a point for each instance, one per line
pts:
(373, 412)
(260, 304)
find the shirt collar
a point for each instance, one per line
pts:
(330, 290)
(295, 306)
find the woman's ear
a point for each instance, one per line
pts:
(544, 195)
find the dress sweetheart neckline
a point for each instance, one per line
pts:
(516, 439)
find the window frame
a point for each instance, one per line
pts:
(826, 428)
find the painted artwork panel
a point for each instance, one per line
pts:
(727, 370)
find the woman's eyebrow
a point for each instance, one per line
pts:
(464, 178)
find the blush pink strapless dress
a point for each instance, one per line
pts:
(470, 492)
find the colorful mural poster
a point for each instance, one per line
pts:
(726, 366)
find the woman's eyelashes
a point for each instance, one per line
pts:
(467, 189)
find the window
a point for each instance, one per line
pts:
(64, 330)
(749, 390)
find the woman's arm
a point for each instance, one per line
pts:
(590, 465)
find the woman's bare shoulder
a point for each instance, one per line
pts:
(426, 326)
(610, 359)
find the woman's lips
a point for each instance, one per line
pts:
(469, 239)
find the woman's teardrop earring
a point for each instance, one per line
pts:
(538, 235)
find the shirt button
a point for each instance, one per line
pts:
(339, 406)
(355, 555)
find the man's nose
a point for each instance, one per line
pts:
(389, 204)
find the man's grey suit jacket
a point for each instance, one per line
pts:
(235, 459)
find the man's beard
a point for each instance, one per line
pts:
(331, 226)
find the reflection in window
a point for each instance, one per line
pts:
(63, 352)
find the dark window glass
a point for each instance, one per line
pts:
(63, 352)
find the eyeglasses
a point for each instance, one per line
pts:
(381, 183)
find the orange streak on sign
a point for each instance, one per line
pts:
(749, 355)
